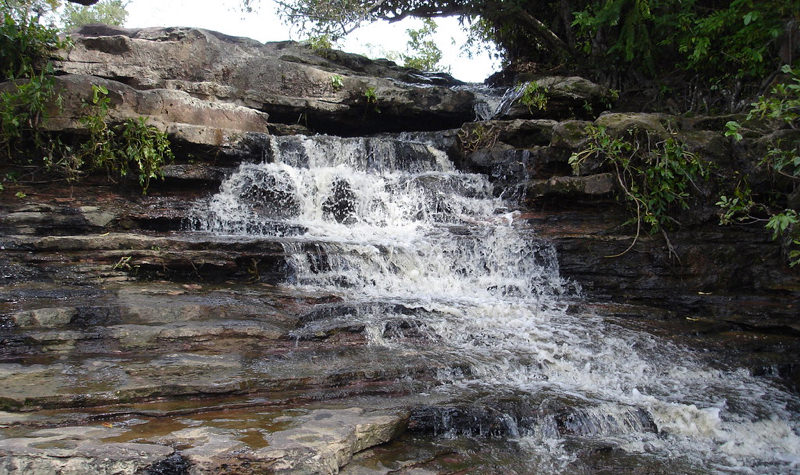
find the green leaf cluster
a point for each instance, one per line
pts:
(24, 106)
(656, 177)
(739, 39)
(782, 108)
(25, 45)
(132, 147)
(423, 54)
(534, 96)
(25, 50)
(108, 12)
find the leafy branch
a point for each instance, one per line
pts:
(656, 178)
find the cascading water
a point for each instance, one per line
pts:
(492, 102)
(409, 242)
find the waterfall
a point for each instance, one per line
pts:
(491, 103)
(429, 258)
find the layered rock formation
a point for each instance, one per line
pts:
(131, 346)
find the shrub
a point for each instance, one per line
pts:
(534, 96)
(132, 147)
(657, 178)
(782, 107)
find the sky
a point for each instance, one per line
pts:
(264, 25)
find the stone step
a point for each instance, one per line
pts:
(178, 256)
(239, 436)
(309, 370)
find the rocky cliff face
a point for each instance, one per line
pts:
(179, 352)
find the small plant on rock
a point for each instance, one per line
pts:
(337, 82)
(534, 96)
(130, 147)
(477, 137)
(371, 98)
(656, 177)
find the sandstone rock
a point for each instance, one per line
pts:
(325, 440)
(184, 117)
(76, 450)
(620, 123)
(570, 134)
(285, 80)
(44, 317)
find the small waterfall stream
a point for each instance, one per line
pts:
(418, 248)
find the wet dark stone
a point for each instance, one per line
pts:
(467, 421)
(6, 322)
(519, 415)
(271, 194)
(583, 423)
(95, 316)
(253, 147)
(292, 152)
(340, 204)
(175, 464)
(317, 258)
(327, 311)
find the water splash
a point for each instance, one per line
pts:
(427, 257)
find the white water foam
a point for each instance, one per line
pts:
(391, 221)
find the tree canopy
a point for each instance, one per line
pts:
(723, 41)
(109, 12)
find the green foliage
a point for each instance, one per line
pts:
(109, 12)
(370, 95)
(732, 129)
(630, 18)
(779, 223)
(371, 99)
(25, 45)
(783, 104)
(722, 42)
(320, 43)
(726, 41)
(130, 147)
(480, 39)
(23, 109)
(534, 96)
(657, 179)
(424, 54)
(133, 147)
(337, 82)
(781, 107)
(738, 206)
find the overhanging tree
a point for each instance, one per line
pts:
(723, 42)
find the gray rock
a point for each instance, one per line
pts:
(325, 440)
(77, 450)
(592, 185)
(288, 81)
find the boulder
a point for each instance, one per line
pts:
(566, 97)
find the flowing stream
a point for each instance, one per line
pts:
(418, 248)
